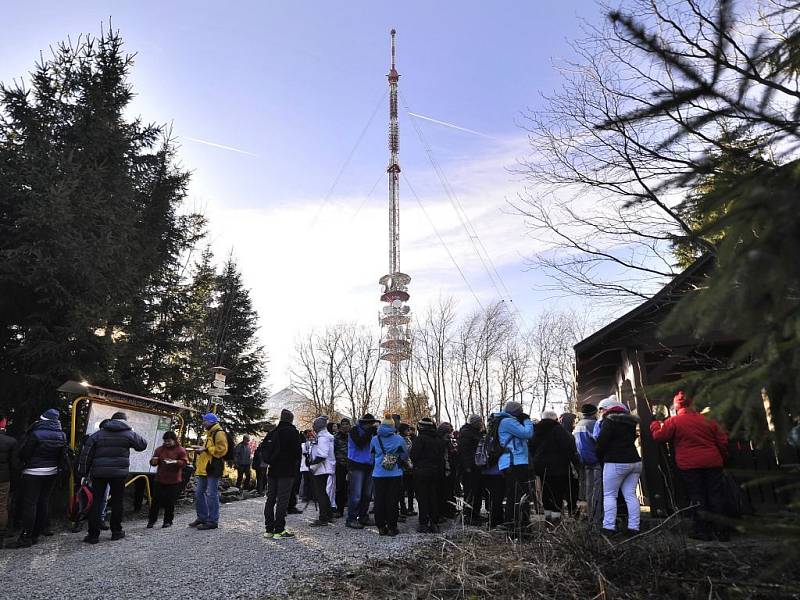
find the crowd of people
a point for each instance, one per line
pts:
(511, 465)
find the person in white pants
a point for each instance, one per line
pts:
(622, 466)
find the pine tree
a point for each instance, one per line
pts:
(233, 329)
(87, 221)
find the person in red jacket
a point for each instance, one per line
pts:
(170, 459)
(700, 449)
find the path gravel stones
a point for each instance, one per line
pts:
(234, 561)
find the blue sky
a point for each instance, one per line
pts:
(292, 86)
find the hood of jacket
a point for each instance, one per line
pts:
(46, 425)
(623, 418)
(545, 426)
(114, 425)
(386, 431)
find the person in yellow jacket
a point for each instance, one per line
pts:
(209, 467)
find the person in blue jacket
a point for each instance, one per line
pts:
(591, 469)
(390, 452)
(513, 433)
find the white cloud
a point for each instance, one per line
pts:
(305, 277)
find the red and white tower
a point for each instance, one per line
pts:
(395, 341)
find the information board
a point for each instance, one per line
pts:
(148, 425)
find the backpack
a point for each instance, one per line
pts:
(80, 504)
(389, 461)
(269, 449)
(489, 449)
(230, 455)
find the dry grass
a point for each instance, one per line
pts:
(570, 562)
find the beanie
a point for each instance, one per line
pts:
(474, 420)
(367, 419)
(549, 414)
(587, 410)
(320, 423)
(426, 424)
(513, 407)
(607, 403)
(287, 416)
(210, 418)
(388, 422)
(681, 400)
(51, 414)
(119, 416)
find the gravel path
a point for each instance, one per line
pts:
(234, 561)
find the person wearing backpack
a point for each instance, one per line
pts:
(469, 437)
(281, 450)
(210, 464)
(41, 454)
(514, 430)
(389, 450)
(243, 463)
(591, 469)
(259, 465)
(427, 458)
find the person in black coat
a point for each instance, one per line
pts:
(469, 437)
(281, 451)
(105, 459)
(427, 458)
(41, 454)
(553, 453)
(8, 459)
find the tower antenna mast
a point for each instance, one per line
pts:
(395, 342)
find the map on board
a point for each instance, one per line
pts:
(151, 427)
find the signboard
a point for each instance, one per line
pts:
(148, 425)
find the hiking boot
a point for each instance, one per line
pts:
(195, 523)
(104, 526)
(283, 535)
(318, 523)
(353, 525)
(117, 535)
(24, 541)
(366, 522)
(207, 526)
(91, 539)
(393, 531)
(166, 524)
(150, 524)
(294, 511)
(383, 530)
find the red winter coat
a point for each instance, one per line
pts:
(699, 442)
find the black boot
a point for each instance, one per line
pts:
(24, 541)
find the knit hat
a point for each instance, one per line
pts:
(119, 416)
(388, 422)
(210, 418)
(681, 400)
(607, 403)
(368, 419)
(287, 416)
(426, 424)
(320, 423)
(51, 414)
(513, 407)
(549, 414)
(475, 420)
(587, 410)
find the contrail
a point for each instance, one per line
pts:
(451, 125)
(221, 146)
